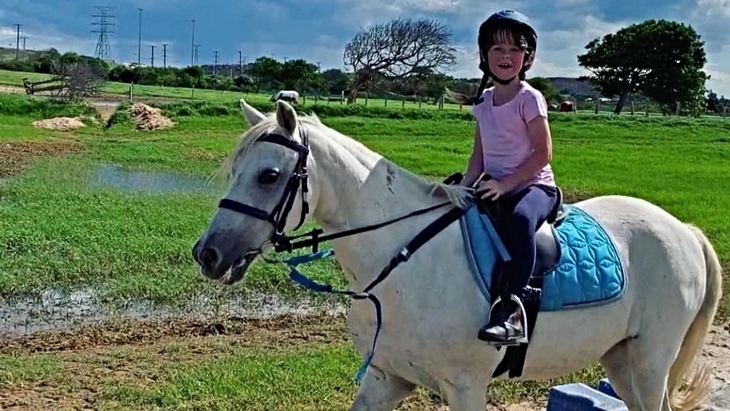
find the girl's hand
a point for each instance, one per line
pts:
(492, 188)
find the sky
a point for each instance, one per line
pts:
(318, 30)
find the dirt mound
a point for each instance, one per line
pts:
(149, 118)
(15, 156)
(60, 123)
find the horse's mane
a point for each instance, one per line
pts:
(459, 195)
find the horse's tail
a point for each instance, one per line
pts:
(693, 395)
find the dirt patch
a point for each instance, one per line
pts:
(149, 118)
(60, 123)
(16, 156)
(105, 112)
(11, 89)
(105, 107)
(137, 353)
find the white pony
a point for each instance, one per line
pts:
(647, 340)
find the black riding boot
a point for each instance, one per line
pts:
(507, 325)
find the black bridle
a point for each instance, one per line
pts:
(298, 180)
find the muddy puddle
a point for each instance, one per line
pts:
(55, 310)
(112, 176)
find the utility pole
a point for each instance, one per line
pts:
(17, 41)
(215, 62)
(24, 39)
(192, 47)
(139, 39)
(195, 53)
(240, 63)
(164, 56)
(152, 56)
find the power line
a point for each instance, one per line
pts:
(103, 50)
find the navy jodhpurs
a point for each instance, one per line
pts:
(524, 212)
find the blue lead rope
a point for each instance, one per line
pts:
(300, 278)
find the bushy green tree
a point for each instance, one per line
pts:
(660, 59)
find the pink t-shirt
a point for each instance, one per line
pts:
(505, 138)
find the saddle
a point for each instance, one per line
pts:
(547, 258)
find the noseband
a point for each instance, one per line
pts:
(277, 217)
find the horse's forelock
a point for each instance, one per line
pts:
(255, 133)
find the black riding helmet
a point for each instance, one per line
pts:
(511, 21)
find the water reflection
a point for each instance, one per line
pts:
(55, 310)
(110, 175)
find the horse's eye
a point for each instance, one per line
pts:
(269, 176)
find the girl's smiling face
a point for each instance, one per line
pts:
(505, 57)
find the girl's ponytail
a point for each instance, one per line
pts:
(467, 100)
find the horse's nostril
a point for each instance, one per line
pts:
(208, 256)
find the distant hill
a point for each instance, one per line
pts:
(8, 53)
(574, 87)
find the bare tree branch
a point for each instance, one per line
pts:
(399, 49)
(70, 81)
(80, 80)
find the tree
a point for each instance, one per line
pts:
(298, 74)
(335, 80)
(397, 50)
(265, 71)
(659, 59)
(552, 95)
(73, 80)
(715, 104)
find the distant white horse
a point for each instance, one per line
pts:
(647, 339)
(286, 95)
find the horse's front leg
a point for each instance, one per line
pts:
(380, 391)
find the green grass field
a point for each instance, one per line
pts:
(14, 78)
(64, 227)
(66, 231)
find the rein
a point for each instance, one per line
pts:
(281, 242)
(286, 245)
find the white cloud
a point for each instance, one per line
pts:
(713, 8)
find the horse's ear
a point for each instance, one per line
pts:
(286, 116)
(251, 115)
